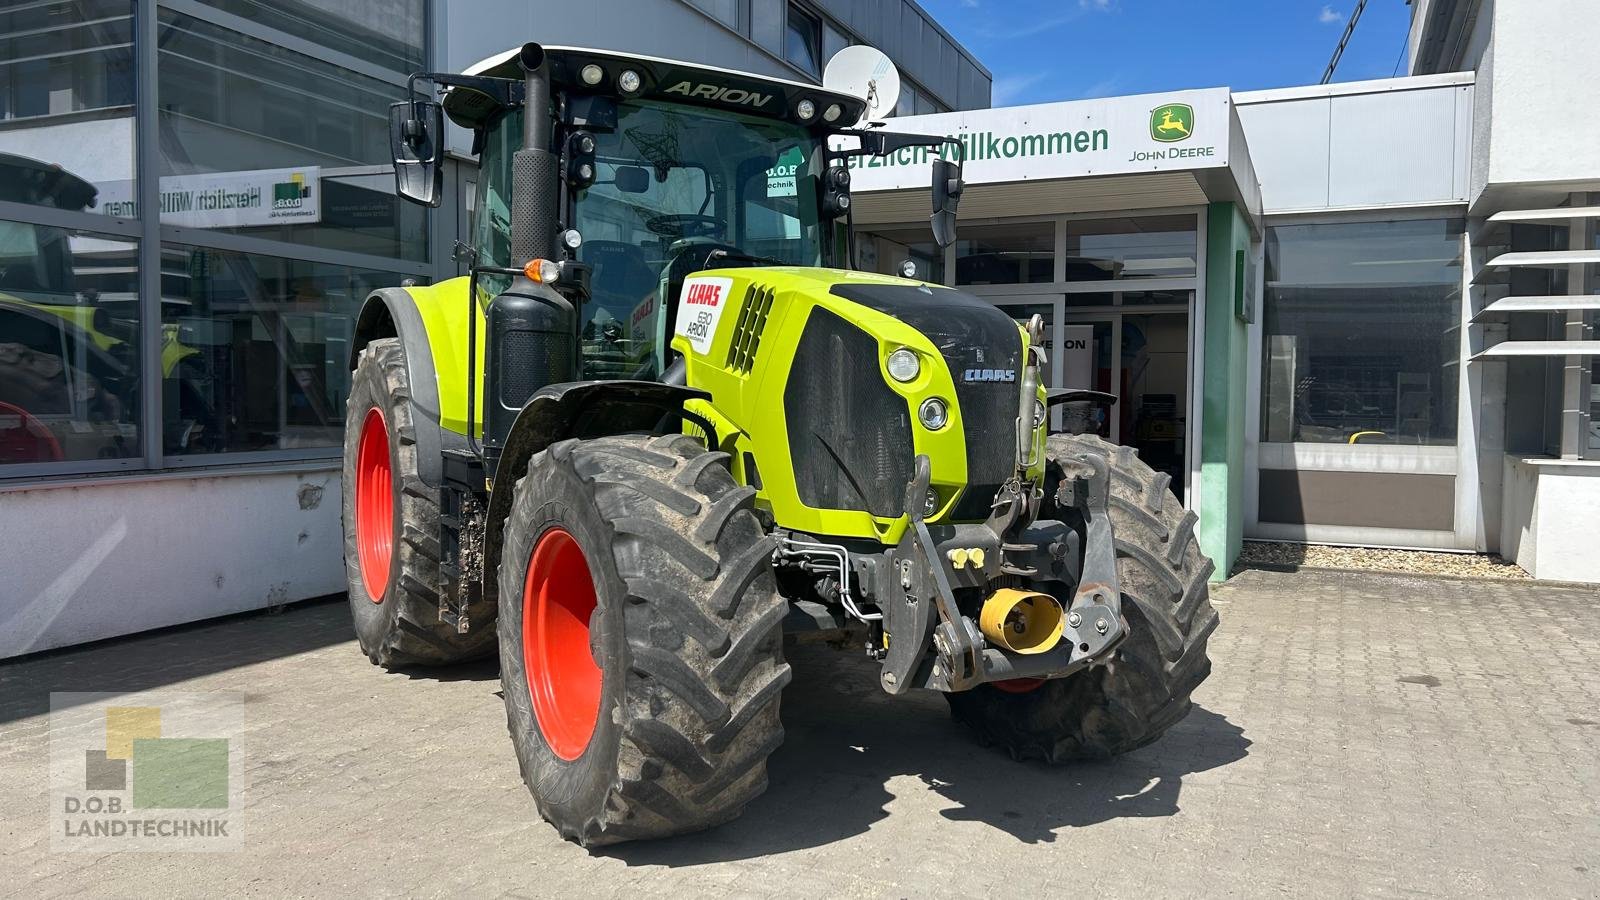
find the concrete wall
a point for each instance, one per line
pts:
(1544, 79)
(99, 560)
(1548, 517)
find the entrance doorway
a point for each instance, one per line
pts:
(1141, 357)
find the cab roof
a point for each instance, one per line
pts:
(666, 80)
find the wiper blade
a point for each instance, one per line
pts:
(741, 256)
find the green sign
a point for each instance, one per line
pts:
(1173, 122)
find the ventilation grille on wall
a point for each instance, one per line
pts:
(747, 333)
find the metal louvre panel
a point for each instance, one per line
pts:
(849, 434)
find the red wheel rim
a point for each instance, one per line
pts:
(563, 681)
(374, 505)
(1019, 685)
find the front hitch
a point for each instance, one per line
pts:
(922, 608)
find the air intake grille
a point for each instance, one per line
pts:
(747, 332)
(849, 434)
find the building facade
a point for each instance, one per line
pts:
(1357, 313)
(195, 197)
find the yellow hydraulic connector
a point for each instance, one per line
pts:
(1021, 621)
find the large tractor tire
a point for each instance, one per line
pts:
(640, 638)
(391, 524)
(1144, 690)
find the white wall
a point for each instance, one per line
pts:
(1548, 517)
(1394, 142)
(1544, 78)
(116, 557)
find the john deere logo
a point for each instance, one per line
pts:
(290, 194)
(1172, 122)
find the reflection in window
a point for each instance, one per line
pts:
(260, 349)
(66, 100)
(883, 251)
(1131, 298)
(1360, 340)
(1006, 254)
(1133, 247)
(69, 346)
(802, 40)
(392, 40)
(260, 140)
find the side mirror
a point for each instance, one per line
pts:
(416, 141)
(947, 188)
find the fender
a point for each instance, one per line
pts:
(579, 409)
(392, 312)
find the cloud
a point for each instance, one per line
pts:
(1009, 89)
(1105, 87)
(1329, 15)
(1027, 29)
(1098, 5)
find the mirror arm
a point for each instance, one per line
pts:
(504, 92)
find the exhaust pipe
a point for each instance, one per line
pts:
(1021, 621)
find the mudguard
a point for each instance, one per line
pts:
(578, 409)
(392, 312)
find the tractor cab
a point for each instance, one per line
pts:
(665, 169)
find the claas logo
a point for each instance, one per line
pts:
(702, 294)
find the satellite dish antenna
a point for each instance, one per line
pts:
(865, 73)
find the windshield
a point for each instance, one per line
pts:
(672, 184)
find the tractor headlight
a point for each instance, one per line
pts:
(629, 81)
(592, 74)
(806, 110)
(930, 502)
(1039, 413)
(933, 414)
(904, 365)
(832, 113)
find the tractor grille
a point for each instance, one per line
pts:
(849, 434)
(970, 334)
(747, 331)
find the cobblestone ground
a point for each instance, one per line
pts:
(1361, 734)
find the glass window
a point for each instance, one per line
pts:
(259, 349)
(392, 39)
(69, 345)
(1132, 247)
(259, 140)
(802, 40)
(883, 251)
(1360, 332)
(66, 103)
(833, 40)
(1023, 253)
(1131, 298)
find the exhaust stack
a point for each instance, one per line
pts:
(1021, 621)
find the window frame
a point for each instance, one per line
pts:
(813, 30)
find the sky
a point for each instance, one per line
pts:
(1043, 50)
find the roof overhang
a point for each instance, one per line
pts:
(1109, 155)
(662, 79)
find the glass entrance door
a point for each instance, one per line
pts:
(1143, 359)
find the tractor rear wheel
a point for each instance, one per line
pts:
(391, 524)
(1144, 690)
(640, 638)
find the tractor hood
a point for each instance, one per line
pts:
(797, 363)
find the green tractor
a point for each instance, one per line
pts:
(662, 424)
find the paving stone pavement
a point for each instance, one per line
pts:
(1361, 734)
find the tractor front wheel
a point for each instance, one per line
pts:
(1144, 690)
(640, 638)
(391, 524)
